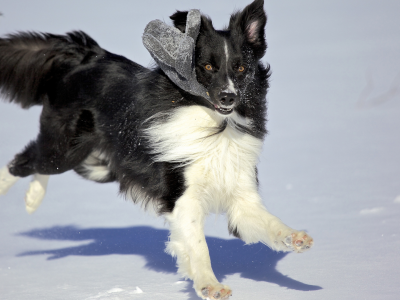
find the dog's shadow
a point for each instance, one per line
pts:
(256, 262)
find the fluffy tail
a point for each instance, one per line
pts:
(31, 62)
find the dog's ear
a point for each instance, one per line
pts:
(206, 25)
(179, 18)
(251, 22)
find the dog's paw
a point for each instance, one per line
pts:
(6, 180)
(215, 292)
(297, 241)
(36, 192)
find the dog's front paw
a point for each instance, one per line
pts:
(214, 292)
(297, 241)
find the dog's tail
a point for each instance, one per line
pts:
(32, 63)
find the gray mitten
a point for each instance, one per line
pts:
(174, 51)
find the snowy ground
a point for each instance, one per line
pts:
(331, 165)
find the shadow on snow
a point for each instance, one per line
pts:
(256, 262)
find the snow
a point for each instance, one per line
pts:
(330, 165)
(375, 210)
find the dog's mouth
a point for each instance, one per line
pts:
(222, 110)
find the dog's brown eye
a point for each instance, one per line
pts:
(241, 69)
(208, 67)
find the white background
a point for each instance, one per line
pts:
(330, 165)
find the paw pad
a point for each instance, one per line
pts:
(218, 292)
(204, 292)
(299, 243)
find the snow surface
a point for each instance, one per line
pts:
(331, 165)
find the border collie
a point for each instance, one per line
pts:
(110, 119)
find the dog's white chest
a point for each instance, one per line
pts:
(224, 164)
(221, 164)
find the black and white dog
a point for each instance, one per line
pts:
(110, 119)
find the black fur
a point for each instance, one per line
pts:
(94, 100)
(240, 24)
(31, 63)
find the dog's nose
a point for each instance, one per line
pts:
(228, 99)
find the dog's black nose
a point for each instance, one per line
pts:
(228, 99)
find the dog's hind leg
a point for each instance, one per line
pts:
(43, 156)
(65, 139)
(60, 147)
(25, 164)
(187, 243)
(7, 180)
(36, 192)
(19, 167)
(40, 163)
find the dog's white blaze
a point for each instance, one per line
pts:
(231, 86)
(226, 54)
(220, 176)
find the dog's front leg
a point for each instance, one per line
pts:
(187, 242)
(250, 221)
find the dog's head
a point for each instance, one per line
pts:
(226, 61)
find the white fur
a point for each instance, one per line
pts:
(91, 164)
(220, 176)
(36, 192)
(231, 86)
(188, 244)
(6, 180)
(226, 54)
(189, 135)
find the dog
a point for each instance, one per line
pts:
(110, 119)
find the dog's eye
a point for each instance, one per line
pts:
(241, 69)
(208, 67)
